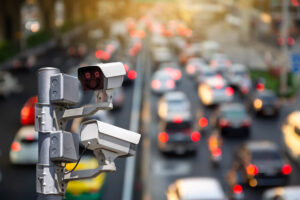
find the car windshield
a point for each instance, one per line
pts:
(234, 114)
(240, 73)
(209, 74)
(265, 155)
(268, 98)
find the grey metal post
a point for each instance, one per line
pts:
(45, 170)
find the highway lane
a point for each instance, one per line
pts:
(163, 170)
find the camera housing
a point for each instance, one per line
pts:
(99, 135)
(101, 76)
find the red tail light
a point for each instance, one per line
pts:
(110, 48)
(190, 69)
(98, 54)
(203, 122)
(216, 152)
(237, 189)
(286, 169)
(156, 84)
(252, 170)
(170, 84)
(195, 136)
(291, 41)
(29, 138)
(177, 75)
(229, 91)
(163, 137)
(280, 41)
(131, 74)
(177, 120)
(246, 122)
(224, 123)
(260, 86)
(27, 112)
(16, 146)
(245, 90)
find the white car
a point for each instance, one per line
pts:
(209, 48)
(220, 62)
(238, 77)
(200, 188)
(24, 148)
(174, 103)
(282, 193)
(215, 91)
(8, 84)
(162, 81)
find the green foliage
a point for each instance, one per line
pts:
(37, 38)
(273, 82)
(6, 50)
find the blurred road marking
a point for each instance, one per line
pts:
(177, 168)
(134, 126)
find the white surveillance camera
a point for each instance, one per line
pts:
(102, 76)
(97, 135)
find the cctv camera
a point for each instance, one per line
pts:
(99, 135)
(102, 76)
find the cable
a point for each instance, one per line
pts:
(83, 152)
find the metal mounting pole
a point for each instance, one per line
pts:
(46, 186)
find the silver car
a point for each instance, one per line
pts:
(162, 81)
(24, 148)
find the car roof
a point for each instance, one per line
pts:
(262, 145)
(232, 106)
(200, 188)
(238, 67)
(26, 131)
(174, 95)
(161, 73)
(287, 193)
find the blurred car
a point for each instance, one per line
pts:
(23, 64)
(77, 50)
(27, 112)
(177, 135)
(8, 84)
(172, 103)
(86, 188)
(214, 91)
(209, 48)
(282, 193)
(205, 73)
(238, 77)
(189, 51)
(162, 81)
(291, 136)
(264, 103)
(24, 148)
(220, 62)
(162, 54)
(131, 73)
(159, 41)
(215, 144)
(232, 120)
(198, 188)
(118, 98)
(173, 69)
(262, 164)
(194, 66)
